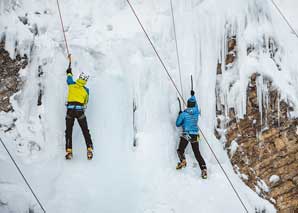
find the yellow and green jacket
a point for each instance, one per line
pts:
(78, 94)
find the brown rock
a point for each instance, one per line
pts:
(279, 144)
(10, 81)
(282, 189)
(232, 43)
(295, 180)
(268, 134)
(218, 69)
(230, 58)
(274, 151)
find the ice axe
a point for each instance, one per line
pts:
(191, 82)
(179, 104)
(69, 59)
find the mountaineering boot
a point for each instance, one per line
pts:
(89, 153)
(181, 165)
(68, 155)
(204, 174)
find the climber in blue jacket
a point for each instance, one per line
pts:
(188, 119)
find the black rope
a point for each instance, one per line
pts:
(229, 180)
(176, 44)
(284, 17)
(164, 66)
(238, 196)
(23, 176)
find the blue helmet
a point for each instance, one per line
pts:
(191, 102)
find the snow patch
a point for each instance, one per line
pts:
(262, 185)
(274, 179)
(233, 148)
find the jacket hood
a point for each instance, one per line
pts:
(190, 110)
(81, 82)
(191, 102)
(191, 99)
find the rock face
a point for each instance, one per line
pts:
(10, 81)
(266, 153)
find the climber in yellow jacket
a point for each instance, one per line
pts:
(78, 95)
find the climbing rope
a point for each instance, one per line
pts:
(205, 139)
(284, 17)
(63, 30)
(22, 176)
(151, 43)
(176, 44)
(225, 173)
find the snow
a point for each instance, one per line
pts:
(263, 185)
(274, 179)
(107, 43)
(233, 148)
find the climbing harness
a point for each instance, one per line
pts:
(190, 138)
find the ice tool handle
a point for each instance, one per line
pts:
(179, 104)
(191, 82)
(69, 59)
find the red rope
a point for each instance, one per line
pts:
(65, 40)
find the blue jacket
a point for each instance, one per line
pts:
(188, 119)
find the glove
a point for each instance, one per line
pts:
(192, 93)
(68, 71)
(180, 112)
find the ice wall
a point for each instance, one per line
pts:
(107, 43)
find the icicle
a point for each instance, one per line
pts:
(134, 124)
(278, 109)
(266, 104)
(259, 96)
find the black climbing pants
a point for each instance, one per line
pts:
(193, 139)
(71, 115)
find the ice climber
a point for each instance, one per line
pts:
(77, 101)
(188, 119)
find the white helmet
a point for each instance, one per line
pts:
(83, 76)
